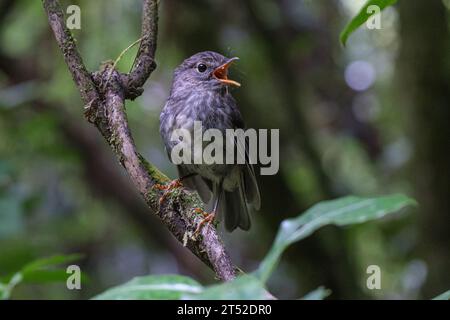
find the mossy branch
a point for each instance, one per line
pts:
(104, 93)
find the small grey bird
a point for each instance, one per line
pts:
(200, 93)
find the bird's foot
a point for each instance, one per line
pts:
(168, 188)
(208, 219)
(200, 212)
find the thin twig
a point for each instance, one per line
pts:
(119, 58)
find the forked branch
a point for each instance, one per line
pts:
(104, 93)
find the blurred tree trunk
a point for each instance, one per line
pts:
(425, 75)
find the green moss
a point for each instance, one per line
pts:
(193, 200)
(157, 175)
(152, 197)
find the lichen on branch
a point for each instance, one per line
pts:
(104, 93)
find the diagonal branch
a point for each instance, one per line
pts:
(104, 95)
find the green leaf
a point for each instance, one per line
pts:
(45, 276)
(362, 17)
(153, 288)
(245, 287)
(51, 261)
(344, 211)
(318, 294)
(341, 212)
(443, 296)
(6, 290)
(38, 271)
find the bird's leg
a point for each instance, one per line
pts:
(209, 217)
(201, 212)
(168, 188)
(174, 184)
(206, 220)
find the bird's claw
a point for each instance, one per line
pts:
(201, 212)
(168, 188)
(208, 219)
(171, 185)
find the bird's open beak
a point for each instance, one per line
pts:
(221, 73)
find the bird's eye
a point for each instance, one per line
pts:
(202, 67)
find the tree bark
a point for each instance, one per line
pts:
(424, 68)
(104, 94)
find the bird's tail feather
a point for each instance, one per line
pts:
(233, 208)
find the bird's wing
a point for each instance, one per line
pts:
(196, 183)
(250, 184)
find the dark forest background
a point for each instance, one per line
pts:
(367, 119)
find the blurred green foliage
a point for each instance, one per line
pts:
(342, 212)
(61, 189)
(37, 271)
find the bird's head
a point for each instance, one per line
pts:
(206, 70)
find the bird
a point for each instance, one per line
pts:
(200, 91)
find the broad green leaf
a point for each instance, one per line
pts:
(245, 287)
(318, 294)
(45, 276)
(153, 288)
(341, 212)
(344, 211)
(443, 296)
(39, 271)
(51, 261)
(362, 17)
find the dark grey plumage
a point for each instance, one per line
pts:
(198, 95)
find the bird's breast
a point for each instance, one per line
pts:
(207, 108)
